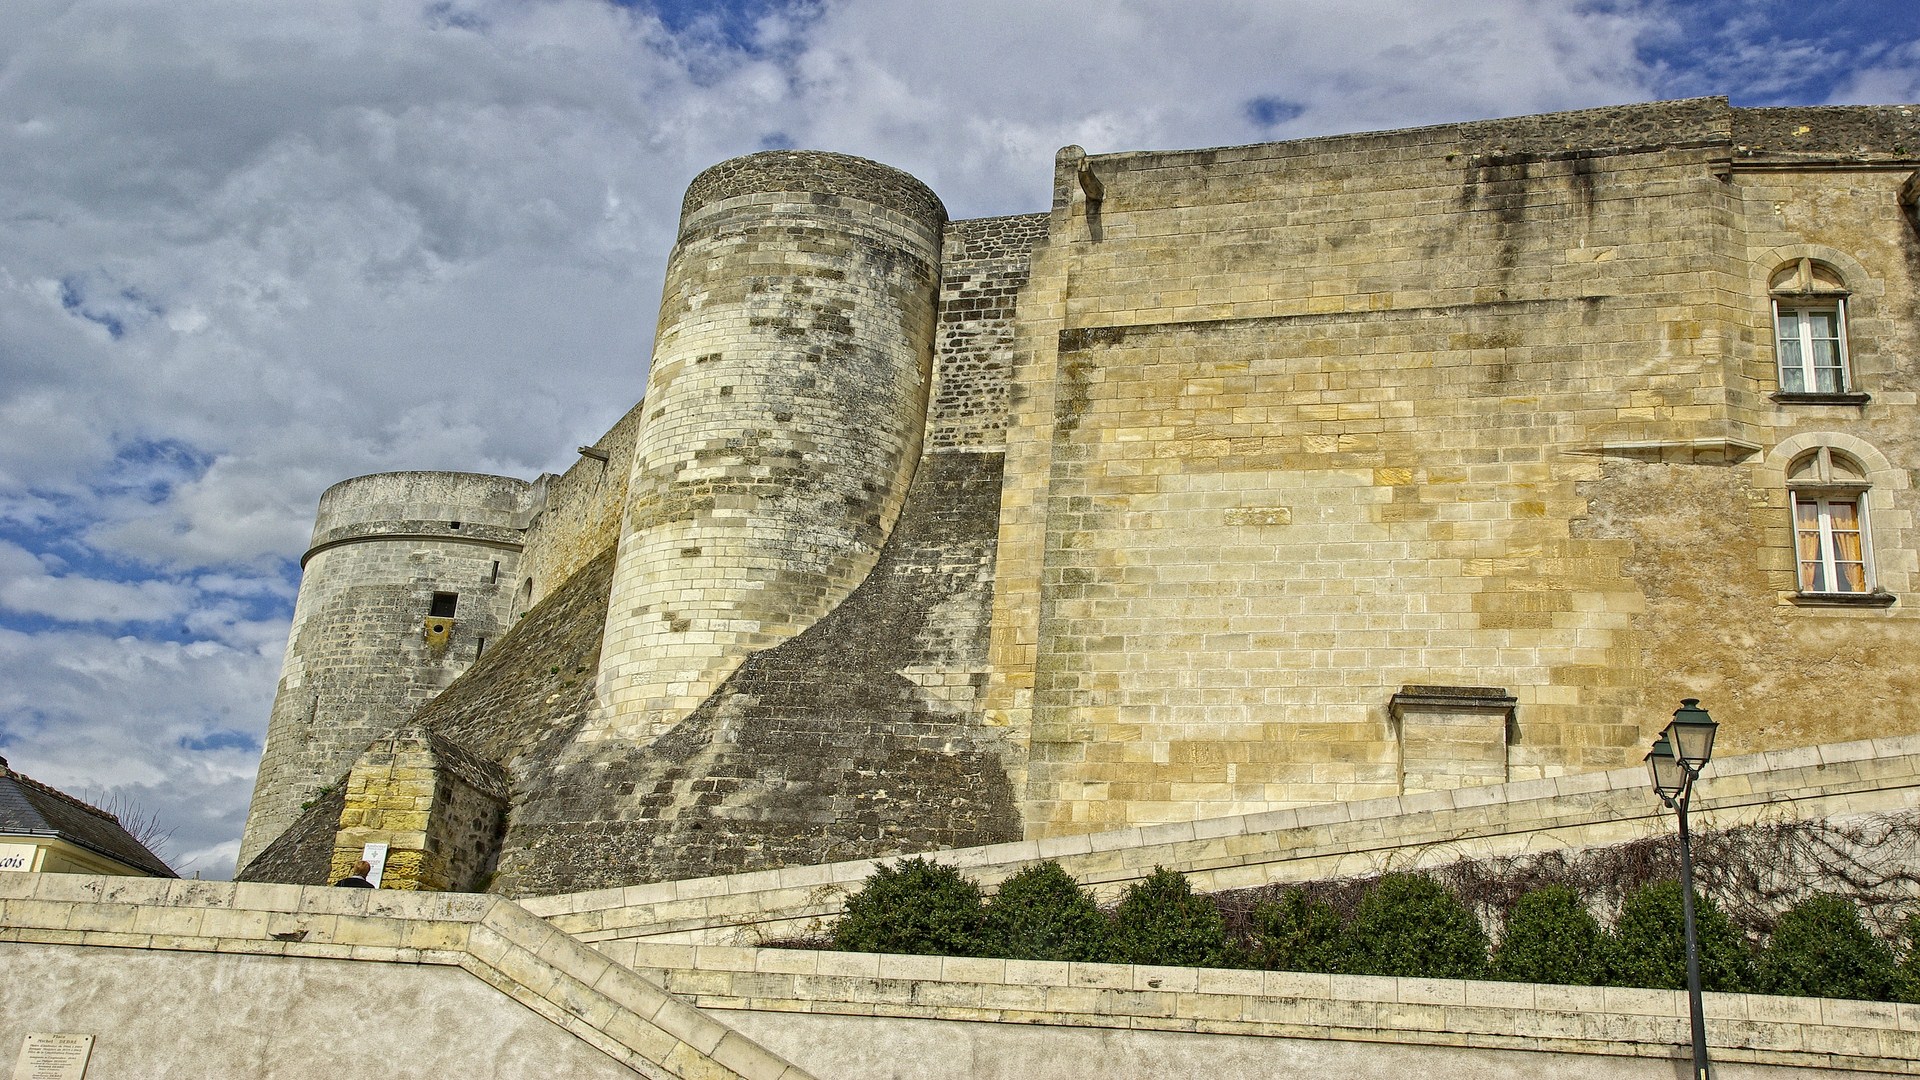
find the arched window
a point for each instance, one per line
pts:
(1810, 328)
(1830, 536)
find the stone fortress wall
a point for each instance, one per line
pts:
(1244, 479)
(575, 515)
(779, 764)
(1481, 406)
(939, 579)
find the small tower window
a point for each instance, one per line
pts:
(494, 575)
(443, 605)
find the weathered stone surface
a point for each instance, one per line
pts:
(517, 708)
(859, 736)
(241, 1015)
(576, 515)
(834, 175)
(1865, 131)
(785, 408)
(303, 852)
(439, 808)
(1840, 817)
(983, 266)
(522, 703)
(199, 979)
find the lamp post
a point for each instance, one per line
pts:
(1677, 757)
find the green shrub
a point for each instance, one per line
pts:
(1907, 988)
(1820, 949)
(1409, 925)
(1160, 921)
(1650, 943)
(1551, 937)
(917, 906)
(1041, 913)
(1296, 933)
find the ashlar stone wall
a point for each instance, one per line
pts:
(575, 515)
(214, 979)
(438, 807)
(1487, 405)
(984, 263)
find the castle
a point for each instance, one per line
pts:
(1274, 514)
(1242, 479)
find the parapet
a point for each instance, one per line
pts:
(1829, 131)
(417, 505)
(819, 172)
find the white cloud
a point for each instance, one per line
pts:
(27, 588)
(171, 727)
(348, 238)
(976, 97)
(1892, 76)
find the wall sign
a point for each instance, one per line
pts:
(16, 856)
(50, 1056)
(376, 856)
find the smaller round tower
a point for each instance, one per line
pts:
(408, 578)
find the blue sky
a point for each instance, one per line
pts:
(248, 249)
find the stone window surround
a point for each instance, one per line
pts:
(1854, 301)
(1886, 530)
(1802, 310)
(1826, 491)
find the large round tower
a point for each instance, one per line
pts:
(785, 407)
(409, 575)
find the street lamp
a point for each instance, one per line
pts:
(1675, 761)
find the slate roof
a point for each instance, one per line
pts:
(30, 808)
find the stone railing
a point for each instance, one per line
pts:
(616, 1011)
(1570, 1031)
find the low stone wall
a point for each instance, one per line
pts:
(955, 1017)
(220, 1016)
(187, 978)
(1311, 843)
(91, 938)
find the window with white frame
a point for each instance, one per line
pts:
(1810, 329)
(1830, 540)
